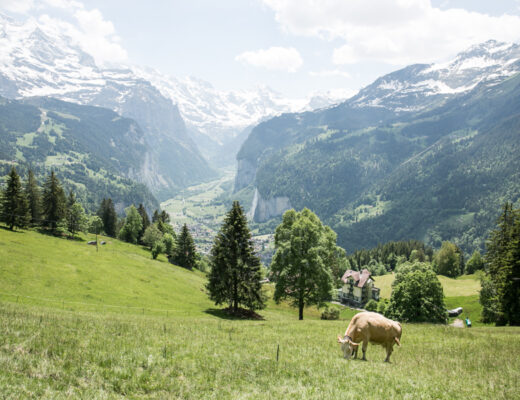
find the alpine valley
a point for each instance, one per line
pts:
(428, 152)
(187, 128)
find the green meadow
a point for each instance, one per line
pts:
(76, 323)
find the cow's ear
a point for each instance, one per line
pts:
(339, 339)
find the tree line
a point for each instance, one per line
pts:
(24, 205)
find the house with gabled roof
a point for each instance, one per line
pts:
(358, 288)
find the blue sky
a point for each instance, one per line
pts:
(293, 46)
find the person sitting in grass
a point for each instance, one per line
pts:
(468, 322)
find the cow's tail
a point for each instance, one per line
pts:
(397, 341)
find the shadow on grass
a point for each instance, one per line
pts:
(5, 228)
(59, 234)
(241, 314)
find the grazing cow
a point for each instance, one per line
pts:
(370, 327)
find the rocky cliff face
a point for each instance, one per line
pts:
(246, 173)
(264, 209)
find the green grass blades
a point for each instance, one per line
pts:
(49, 353)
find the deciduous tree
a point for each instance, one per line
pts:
(133, 224)
(299, 265)
(417, 295)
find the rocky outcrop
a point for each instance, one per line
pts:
(264, 209)
(246, 174)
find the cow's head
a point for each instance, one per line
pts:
(347, 346)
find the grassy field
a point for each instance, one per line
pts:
(76, 344)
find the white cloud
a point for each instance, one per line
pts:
(273, 58)
(17, 6)
(393, 31)
(91, 32)
(330, 73)
(64, 4)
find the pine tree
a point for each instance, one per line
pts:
(500, 294)
(108, 215)
(186, 254)
(54, 202)
(32, 192)
(156, 217)
(509, 290)
(235, 268)
(76, 219)
(15, 208)
(146, 221)
(71, 200)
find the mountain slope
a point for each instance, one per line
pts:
(35, 62)
(434, 169)
(94, 151)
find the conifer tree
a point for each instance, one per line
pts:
(186, 254)
(156, 217)
(500, 294)
(146, 221)
(76, 219)
(15, 208)
(54, 202)
(108, 215)
(32, 192)
(235, 268)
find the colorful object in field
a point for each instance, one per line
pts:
(468, 322)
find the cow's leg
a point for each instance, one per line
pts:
(354, 353)
(389, 350)
(365, 345)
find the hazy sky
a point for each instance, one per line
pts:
(293, 46)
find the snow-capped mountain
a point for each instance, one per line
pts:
(221, 115)
(421, 85)
(38, 61)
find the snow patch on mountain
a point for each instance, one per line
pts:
(419, 86)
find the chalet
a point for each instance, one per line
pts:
(358, 288)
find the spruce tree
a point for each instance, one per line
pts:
(235, 268)
(15, 208)
(500, 294)
(156, 217)
(108, 215)
(32, 192)
(54, 202)
(509, 289)
(186, 254)
(146, 221)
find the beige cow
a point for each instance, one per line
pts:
(370, 327)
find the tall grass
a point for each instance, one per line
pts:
(47, 353)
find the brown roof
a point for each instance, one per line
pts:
(360, 278)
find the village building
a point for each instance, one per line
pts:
(358, 288)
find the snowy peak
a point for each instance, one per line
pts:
(419, 86)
